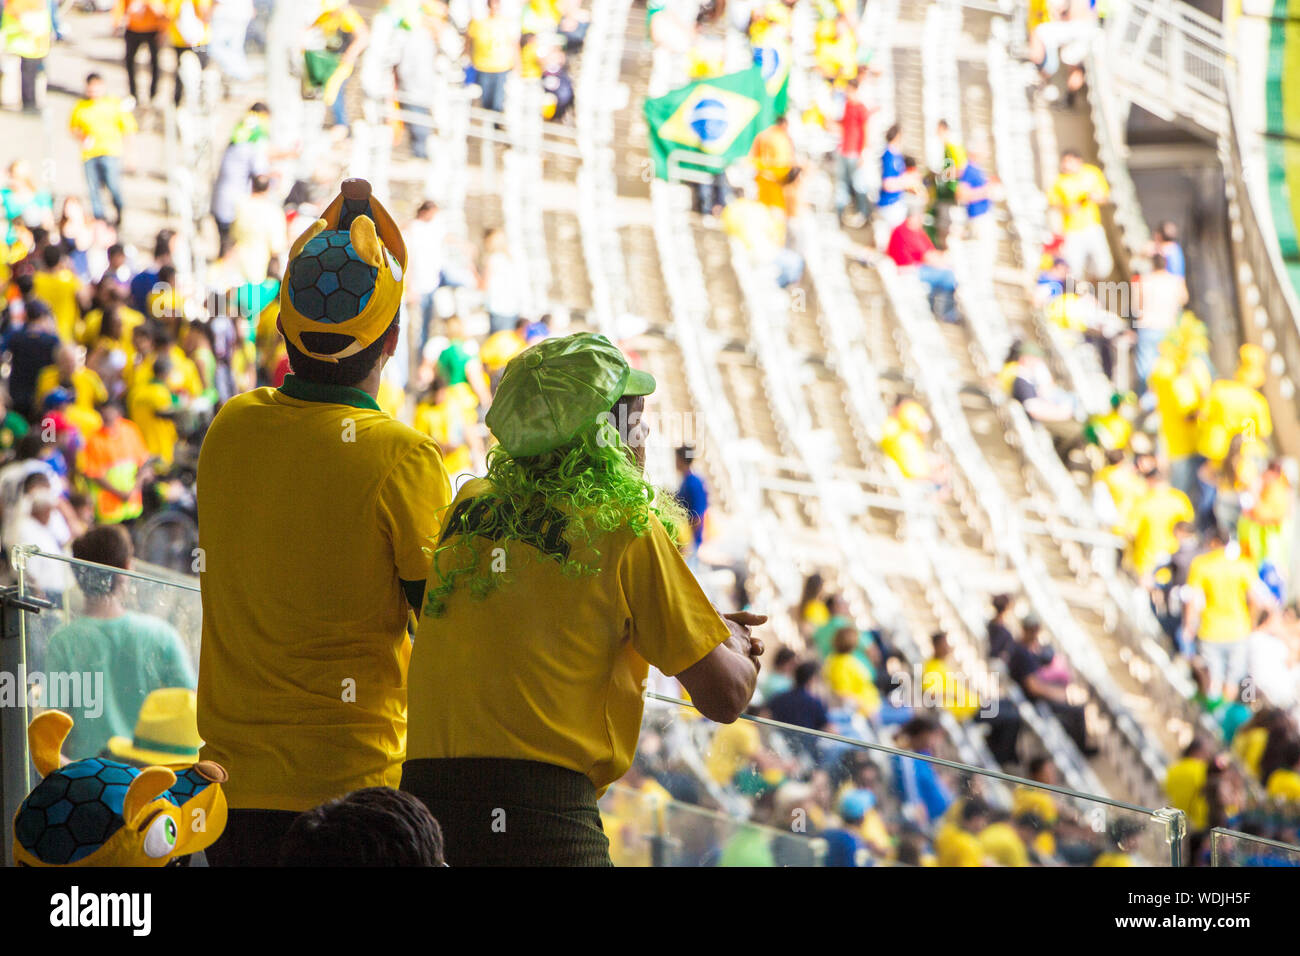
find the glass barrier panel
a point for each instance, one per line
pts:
(646, 827)
(113, 638)
(870, 804)
(699, 794)
(1230, 848)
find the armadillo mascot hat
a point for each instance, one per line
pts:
(343, 285)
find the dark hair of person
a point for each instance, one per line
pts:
(1001, 602)
(109, 545)
(349, 371)
(805, 672)
(374, 826)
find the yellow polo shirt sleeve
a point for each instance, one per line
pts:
(411, 501)
(673, 624)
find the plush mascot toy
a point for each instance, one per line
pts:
(99, 812)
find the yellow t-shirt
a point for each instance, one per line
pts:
(1002, 844)
(906, 448)
(1225, 582)
(194, 21)
(1038, 802)
(557, 663)
(1231, 408)
(956, 847)
(1185, 787)
(732, 749)
(1072, 193)
(94, 319)
(1248, 747)
(848, 677)
(447, 424)
(102, 123)
(143, 405)
(1125, 485)
(496, 44)
(87, 388)
(949, 689)
(1151, 526)
(1284, 786)
(314, 507)
(1179, 392)
(59, 291)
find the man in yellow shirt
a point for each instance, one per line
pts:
(452, 422)
(69, 372)
(102, 123)
(154, 407)
(1180, 382)
(1222, 597)
(1235, 406)
(1076, 195)
(494, 40)
(554, 587)
(316, 509)
(1150, 525)
(57, 286)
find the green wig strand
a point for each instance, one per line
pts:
(593, 483)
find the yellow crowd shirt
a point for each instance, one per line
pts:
(102, 124)
(1284, 786)
(59, 291)
(1225, 583)
(1179, 393)
(87, 387)
(1072, 193)
(1151, 523)
(1232, 408)
(496, 44)
(144, 405)
(848, 677)
(556, 663)
(948, 689)
(906, 448)
(1185, 787)
(314, 507)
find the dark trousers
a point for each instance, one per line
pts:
(29, 71)
(1003, 734)
(1071, 718)
(496, 812)
(251, 838)
(134, 41)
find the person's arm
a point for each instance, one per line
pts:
(722, 683)
(360, 40)
(675, 628)
(474, 375)
(412, 506)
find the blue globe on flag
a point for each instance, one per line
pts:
(709, 120)
(768, 59)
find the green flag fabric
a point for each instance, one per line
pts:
(717, 117)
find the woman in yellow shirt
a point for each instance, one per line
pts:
(494, 42)
(188, 32)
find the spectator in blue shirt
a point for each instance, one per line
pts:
(894, 180)
(692, 493)
(1165, 243)
(916, 780)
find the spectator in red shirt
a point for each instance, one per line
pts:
(848, 159)
(909, 246)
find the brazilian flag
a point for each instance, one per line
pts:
(774, 61)
(716, 117)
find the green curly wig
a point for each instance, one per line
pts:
(559, 502)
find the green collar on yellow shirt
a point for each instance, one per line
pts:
(306, 391)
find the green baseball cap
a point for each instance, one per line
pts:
(558, 387)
